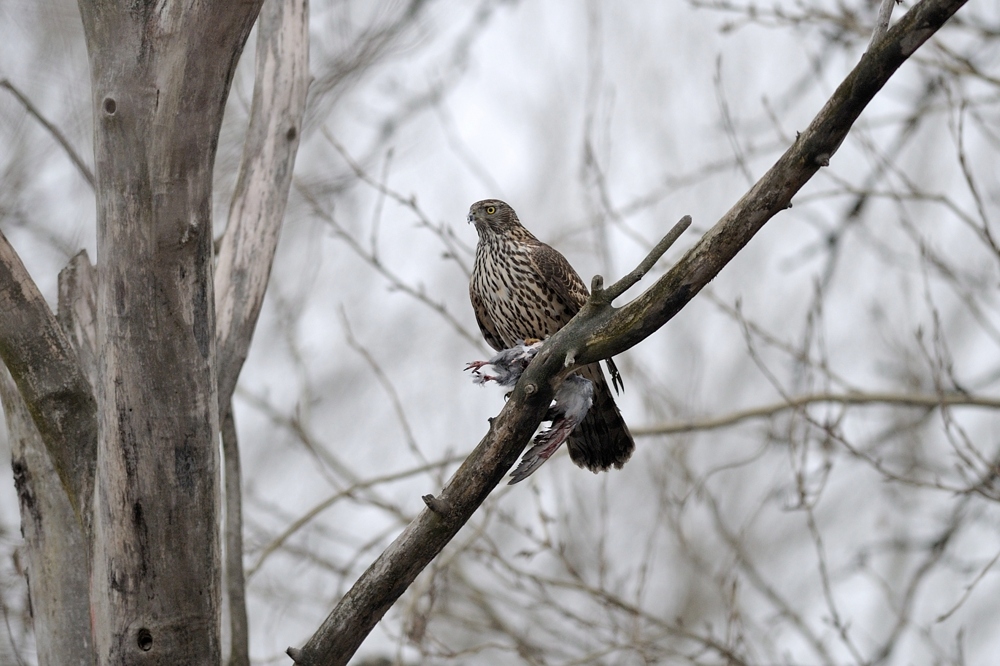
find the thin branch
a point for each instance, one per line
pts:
(757, 579)
(397, 282)
(968, 589)
(455, 247)
(239, 635)
(60, 138)
(835, 618)
(928, 401)
(386, 383)
(296, 525)
(905, 609)
(882, 22)
(598, 293)
(601, 332)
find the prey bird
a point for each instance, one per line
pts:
(569, 408)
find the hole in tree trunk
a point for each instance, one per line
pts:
(145, 640)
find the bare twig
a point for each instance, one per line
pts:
(60, 138)
(606, 296)
(296, 525)
(397, 282)
(968, 589)
(387, 386)
(456, 249)
(873, 399)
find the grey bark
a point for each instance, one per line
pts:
(56, 551)
(160, 76)
(247, 251)
(52, 426)
(239, 631)
(601, 331)
(77, 313)
(258, 208)
(160, 79)
(48, 376)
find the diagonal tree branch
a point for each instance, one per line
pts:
(56, 551)
(49, 378)
(600, 331)
(258, 206)
(616, 329)
(56, 133)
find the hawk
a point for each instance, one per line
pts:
(521, 289)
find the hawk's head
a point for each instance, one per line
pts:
(492, 216)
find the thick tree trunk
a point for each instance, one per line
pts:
(160, 75)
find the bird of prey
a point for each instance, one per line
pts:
(521, 289)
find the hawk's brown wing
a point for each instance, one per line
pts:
(486, 326)
(559, 276)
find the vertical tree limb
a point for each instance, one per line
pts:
(258, 206)
(77, 312)
(239, 634)
(248, 247)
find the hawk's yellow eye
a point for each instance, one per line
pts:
(490, 210)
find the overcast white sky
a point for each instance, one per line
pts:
(675, 109)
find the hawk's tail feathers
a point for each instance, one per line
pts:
(602, 441)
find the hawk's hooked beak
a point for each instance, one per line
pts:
(469, 218)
